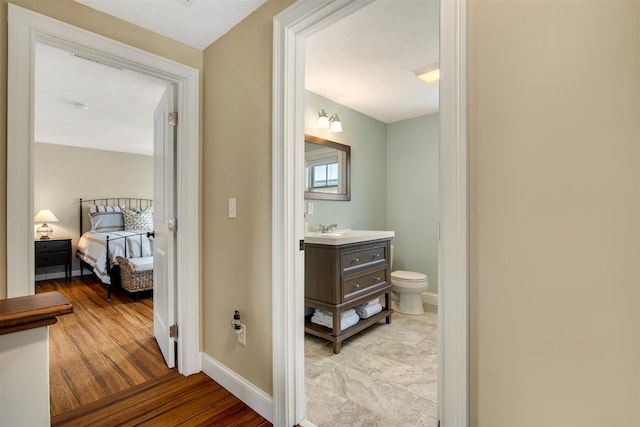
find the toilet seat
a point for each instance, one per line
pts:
(408, 278)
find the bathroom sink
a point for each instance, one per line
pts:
(345, 236)
(334, 233)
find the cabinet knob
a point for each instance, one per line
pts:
(376, 278)
(354, 260)
(376, 255)
(356, 285)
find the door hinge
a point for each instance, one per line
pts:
(302, 245)
(173, 331)
(173, 225)
(173, 119)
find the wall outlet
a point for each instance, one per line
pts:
(242, 336)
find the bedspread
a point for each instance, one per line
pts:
(92, 249)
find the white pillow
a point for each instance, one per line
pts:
(104, 222)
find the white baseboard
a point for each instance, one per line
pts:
(306, 423)
(251, 395)
(429, 298)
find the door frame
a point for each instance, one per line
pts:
(290, 29)
(25, 29)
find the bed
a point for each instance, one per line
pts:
(103, 236)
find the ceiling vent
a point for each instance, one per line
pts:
(99, 61)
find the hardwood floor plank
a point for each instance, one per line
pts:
(106, 368)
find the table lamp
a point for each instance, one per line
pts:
(44, 216)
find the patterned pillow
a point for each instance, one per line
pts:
(138, 220)
(104, 222)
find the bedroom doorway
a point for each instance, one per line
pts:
(27, 28)
(77, 100)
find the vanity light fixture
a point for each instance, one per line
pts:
(333, 124)
(429, 74)
(44, 216)
(336, 124)
(323, 120)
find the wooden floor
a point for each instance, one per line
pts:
(171, 400)
(106, 367)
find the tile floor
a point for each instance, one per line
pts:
(384, 376)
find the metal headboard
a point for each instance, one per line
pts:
(130, 202)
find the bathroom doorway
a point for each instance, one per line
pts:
(363, 70)
(291, 27)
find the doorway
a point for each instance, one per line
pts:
(27, 28)
(290, 28)
(363, 70)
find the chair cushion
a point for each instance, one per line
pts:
(142, 264)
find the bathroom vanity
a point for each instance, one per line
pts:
(343, 269)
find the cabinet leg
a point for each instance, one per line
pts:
(387, 303)
(336, 347)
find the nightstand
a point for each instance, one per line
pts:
(55, 251)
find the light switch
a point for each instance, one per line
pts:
(233, 213)
(309, 208)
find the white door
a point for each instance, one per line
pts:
(164, 271)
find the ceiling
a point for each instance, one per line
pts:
(197, 23)
(119, 103)
(366, 61)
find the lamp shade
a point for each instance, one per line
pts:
(45, 215)
(323, 120)
(336, 124)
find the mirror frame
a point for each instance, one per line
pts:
(309, 195)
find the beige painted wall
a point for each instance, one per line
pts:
(63, 174)
(237, 163)
(92, 20)
(553, 134)
(554, 137)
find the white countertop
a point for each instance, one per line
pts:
(343, 237)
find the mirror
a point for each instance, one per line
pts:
(327, 169)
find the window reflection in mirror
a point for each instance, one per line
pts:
(327, 169)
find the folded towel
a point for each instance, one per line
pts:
(349, 321)
(371, 303)
(323, 313)
(321, 321)
(328, 315)
(347, 313)
(344, 323)
(366, 312)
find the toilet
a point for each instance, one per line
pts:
(406, 289)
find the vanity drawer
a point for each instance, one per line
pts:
(353, 288)
(363, 257)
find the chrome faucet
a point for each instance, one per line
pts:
(327, 228)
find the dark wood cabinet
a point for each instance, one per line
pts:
(50, 252)
(341, 277)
